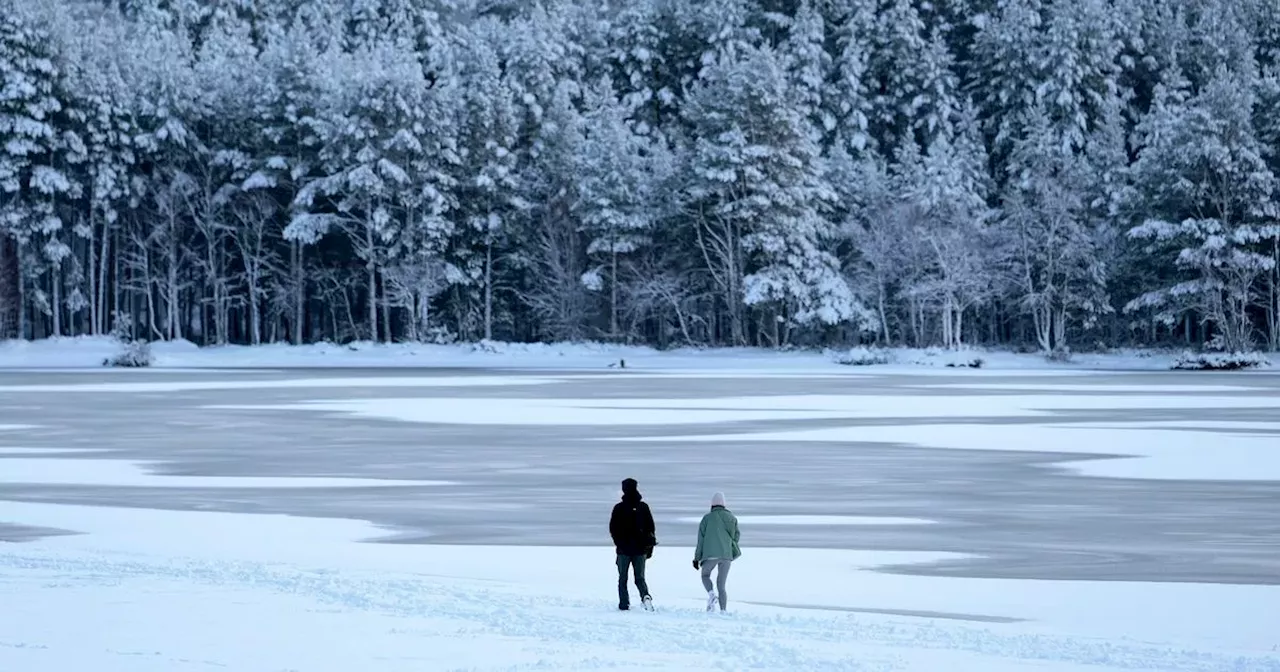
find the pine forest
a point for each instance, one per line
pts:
(1043, 175)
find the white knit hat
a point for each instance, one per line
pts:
(717, 499)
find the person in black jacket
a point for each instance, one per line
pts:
(634, 537)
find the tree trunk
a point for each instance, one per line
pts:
(116, 291)
(1043, 326)
(736, 331)
(1060, 329)
(386, 314)
(488, 290)
(946, 322)
(613, 296)
(299, 291)
(372, 277)
(10, 297)
(424, 315)
(884, 313)
(255, 317)
(24, 328)
(55, 310)
(91, 267)
(1273, 306)
(151, 299)
(171, 310)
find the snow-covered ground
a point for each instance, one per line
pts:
(89, 352)
(144, 590)
(158, 583)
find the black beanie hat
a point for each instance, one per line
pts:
(629, 485)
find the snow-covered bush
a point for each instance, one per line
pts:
(967, 363)
(488, 346)
(439, 336)
(1220, 361)
(863, 356)
(1059, 355)
(134, 353)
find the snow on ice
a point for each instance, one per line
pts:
(820, 520)
(119, 473)
(142, 590)
(89, 352)
(1179, 454)
(657, 411)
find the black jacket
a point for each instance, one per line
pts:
(631, 526)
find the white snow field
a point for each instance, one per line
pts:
(142, 590)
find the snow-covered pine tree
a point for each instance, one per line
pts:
(943, 199)
(1004, 69)
(422, 271)
(864, 210)
(641, 72)
(487, 178)
(371, 151)
(1206, 196)
(848, 97)
(1078, 61)
(35, 167)
(291, 138)
(221, 157)
(1053, 249)
(1267, 124)
(807, 63)
(97, 80)
(755, 194)
(899, 37)
(619, 174)
(553, 252)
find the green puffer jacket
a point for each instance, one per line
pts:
(718, 536)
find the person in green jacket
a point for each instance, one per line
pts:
(717, 548)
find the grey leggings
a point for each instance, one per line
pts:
(721, 577)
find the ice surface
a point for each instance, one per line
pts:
(1176, 454)
(844, 565)
(6, 450)
(116, 473)
(518, 411)
(287, 383)
(1103, 389)
(820, 520)
(677, 411)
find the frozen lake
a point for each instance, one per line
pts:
(960, 463)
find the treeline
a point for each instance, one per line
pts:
(1047, 174)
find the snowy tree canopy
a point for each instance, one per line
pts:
(804, 172)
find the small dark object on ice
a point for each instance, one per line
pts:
(620, 364)
(975, 363)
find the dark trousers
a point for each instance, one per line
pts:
(624, 562)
